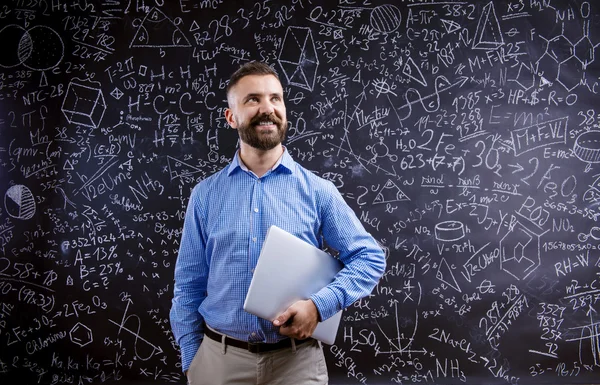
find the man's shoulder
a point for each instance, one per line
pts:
(314, 180)
(212, 181)
(311, 175)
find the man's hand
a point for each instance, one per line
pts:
(299, 320)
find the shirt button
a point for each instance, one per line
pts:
(253, 334)
(254, 239)
(259, 181)
(256, 209)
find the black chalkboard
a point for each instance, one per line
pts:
(464, 134)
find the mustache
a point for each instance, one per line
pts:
(257, 119)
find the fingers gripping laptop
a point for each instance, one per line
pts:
(288, 270)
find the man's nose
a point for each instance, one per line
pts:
(266, 108)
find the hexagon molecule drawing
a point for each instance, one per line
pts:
(565, 61)
(81, 335)
(520, 251)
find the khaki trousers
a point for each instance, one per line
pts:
(216, 364)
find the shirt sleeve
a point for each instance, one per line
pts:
(191, 274)
(363, 259)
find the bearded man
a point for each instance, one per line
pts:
(226, 222)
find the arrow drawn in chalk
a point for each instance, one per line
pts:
(441, 84)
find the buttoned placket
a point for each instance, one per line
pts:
(255, 214)
(254, 245)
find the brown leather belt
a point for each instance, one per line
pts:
(252, 347)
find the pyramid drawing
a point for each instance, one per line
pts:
(389, 193)
(298, 57)
(158, 31)
(444, 274)
(488, 35)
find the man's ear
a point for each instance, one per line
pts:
(230, 118)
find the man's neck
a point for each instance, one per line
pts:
(259, 161)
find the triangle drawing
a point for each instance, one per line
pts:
(450, 25)
(389, 193)
(544, 82)
(43, 80)
(412, 71)
(179, 169)
(444, 274)
(194, 26)
(158, 31)
(488, 35)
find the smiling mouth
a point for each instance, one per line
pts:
(265, 124)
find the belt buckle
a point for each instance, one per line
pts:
(253, 347)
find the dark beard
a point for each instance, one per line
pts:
(249, 135)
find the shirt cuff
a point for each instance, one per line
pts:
(189, 350)
(326, 302)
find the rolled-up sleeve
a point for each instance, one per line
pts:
(363, 259)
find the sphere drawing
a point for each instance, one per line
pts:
(385, 18)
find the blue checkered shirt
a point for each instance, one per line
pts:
(226, 222)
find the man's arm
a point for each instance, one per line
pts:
(363, 259)
(364, 263)
(191, 274)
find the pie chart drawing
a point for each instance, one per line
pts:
(19, 202)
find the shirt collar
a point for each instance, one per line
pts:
(285, 161)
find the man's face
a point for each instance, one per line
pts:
(257, 111)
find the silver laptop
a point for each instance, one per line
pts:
(288, 270)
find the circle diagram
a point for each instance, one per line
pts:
(14, 40)
(19, 202)
(38, 48)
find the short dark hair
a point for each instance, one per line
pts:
(251, 68)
